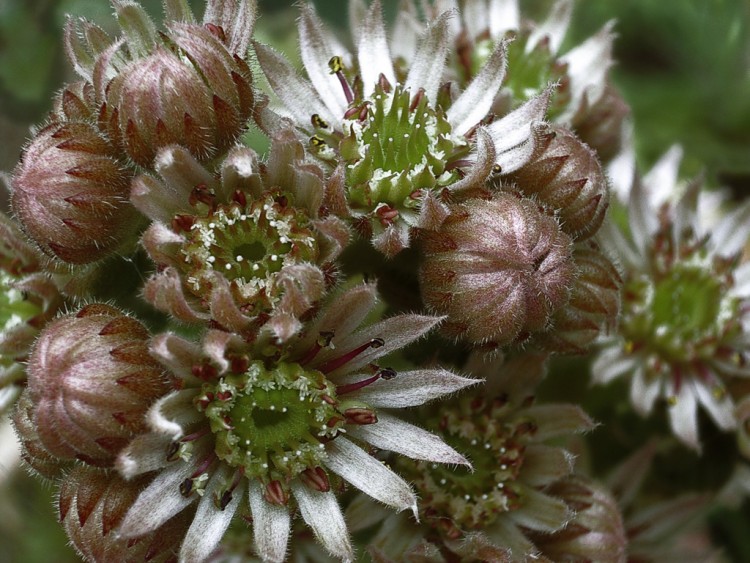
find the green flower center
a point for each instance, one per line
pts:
(457, 499)
(248, 245)
(683, 316)
(272, 422)
(395, 147)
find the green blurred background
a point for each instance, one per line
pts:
(683, 65)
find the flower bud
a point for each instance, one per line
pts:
(594, 304)
(33, 452)
(70, 193)
(596, 532)
(498, 268)
(75, 102)
(92, 504)
(204, 107)
(568, 178)
(600, 125)
(91, 380)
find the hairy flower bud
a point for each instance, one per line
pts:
(205, 106)
(70, 193)
(92, 503)
(596, 532)
(33, 452)
(91, 380)
(568, 177)
(498, 268)
(593, 306)
(600, 125)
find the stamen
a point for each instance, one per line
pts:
(226, 497)
(336, 363)
(323, 341)
(337, 67)
(316, 478)
(385, 373)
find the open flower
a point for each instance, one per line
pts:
(586, 101)
(282, 425)
(399, 137)
(683, 331)
(248, 249)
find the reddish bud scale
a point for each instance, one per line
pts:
(91, 380)
(92, 503)
(568, 178)
(70, 193)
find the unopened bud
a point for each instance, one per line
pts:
(91, 380)
(568, 178)
(71, 193)
(92, 504)
(499, 269)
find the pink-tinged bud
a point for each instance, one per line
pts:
(593, 307)
(91, 380)
(498, 268)
(596, 532)
(71, 193)
(600, 126)
(93, 502)
(190, 91)
(568, 178)
(33, 452)
(75, 102)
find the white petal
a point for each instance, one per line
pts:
(643, 220)
(426, 70)
(158, 502)
(271, 525)
(173, 413)
(730, 235)
(515, 128)
(393, 434)
(720, 408)
(146, 452)
(541, 512)
(396, 333)
(483, 161)
(322, 513)
(317, 46)
(610, 364)
(405, 31)
(474, 103)
(621, 169)
(644, 391)
(369, 475)
(412, 388)
(683, 417)
(210, 522)
(504, 16)
(741, 286)
(554, 27)
(618, 247)
(297, 94)
(662, 178)
(372, 52)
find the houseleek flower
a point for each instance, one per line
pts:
(683, 330)
(279, 427)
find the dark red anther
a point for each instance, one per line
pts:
(201, 194)
(276, 494)
(205, 371)
(384, 84)
(217, 31)
(387, 373)
(416, 195)
(323, 341)
(330, 400)
(225, 499)
(282, 200)
(360, 416)
(206, 400)
(357, 111)
(224, 395)
(525, 428)
(417, 98)
(316, 478)
(186, 487)
(386, 214)
(333, 421)
(239, 198)
(174, 447)
(336, 363)
(238, 363)
(182, 223)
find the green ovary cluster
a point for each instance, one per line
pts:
(684, 316)
(457, 499)
(397, 147)
(272, 422)
(248, 245)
